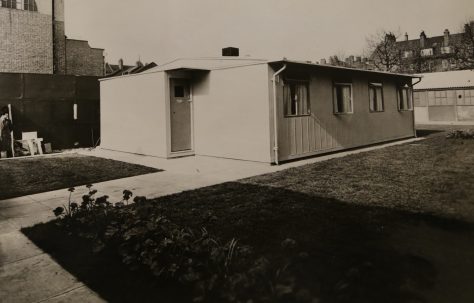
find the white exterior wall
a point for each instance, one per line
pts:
(45, 7)
(421, 114)
(231, 114)
(133, 114)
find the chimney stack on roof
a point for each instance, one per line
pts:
(446, 37)
(230, 52)
(406, 36)
(422, 39)
(120, 64)
(323, 61)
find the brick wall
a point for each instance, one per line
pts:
(25, 42)
(82, 60)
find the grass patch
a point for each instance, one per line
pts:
(391, 225)
(434, 176)
(20, 177)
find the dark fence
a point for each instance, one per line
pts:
(45, 103)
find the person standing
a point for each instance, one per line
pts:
(6, 132)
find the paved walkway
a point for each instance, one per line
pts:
(27, 274)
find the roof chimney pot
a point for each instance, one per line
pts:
(230, 52)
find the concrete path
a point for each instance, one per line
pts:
(27, 274)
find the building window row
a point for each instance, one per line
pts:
(27, 5)
(296, 100)
(428, 52)
(343, 100)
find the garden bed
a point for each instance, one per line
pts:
(391, 225)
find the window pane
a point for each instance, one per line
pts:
(379, 98)
(347, 99)
(372, 98)
(287, 100)
(400, 98)
(405, 99)
(179, 91)
(409, 99)
(343, 102)
(294, 100)
(303, 99)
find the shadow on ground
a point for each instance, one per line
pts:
(427, 132)
(357, 253)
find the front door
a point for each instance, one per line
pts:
(180, 107)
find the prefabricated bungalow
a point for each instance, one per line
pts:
(255, 110)
(445, 97)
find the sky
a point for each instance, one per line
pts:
(163, 30)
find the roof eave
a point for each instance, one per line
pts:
(346, 68)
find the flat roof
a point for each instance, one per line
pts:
(216, 63)
(452, 79)
(345, 68)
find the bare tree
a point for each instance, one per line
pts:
(464, 47)
(384, 51)
(414, 63)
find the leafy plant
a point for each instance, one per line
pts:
(211, 269)
(461, 134)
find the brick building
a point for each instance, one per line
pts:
(32, 40)
(431, 54)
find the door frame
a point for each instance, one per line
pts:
(186, 76)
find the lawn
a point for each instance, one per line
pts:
(20, 177)
(390, 225)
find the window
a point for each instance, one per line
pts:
(343, 98)
(405, 101)
(376, 97)
(407, 54)
(427, 52)
(11, 3)
(445, 64)
(182, 91)
(296, 98)
(27, 5)
(446, 50)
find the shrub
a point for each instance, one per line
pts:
(461, 134)
(212, 269)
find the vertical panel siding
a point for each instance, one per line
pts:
(323, 131)
(302, 135)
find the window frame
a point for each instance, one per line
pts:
(446, 50)
(187, 89)
(304, 82)
(375, 85)
(334, 98)
(427, 52)
(24, 5)
(409, 94)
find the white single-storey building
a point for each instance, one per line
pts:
(256, 110)
(445, 97)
